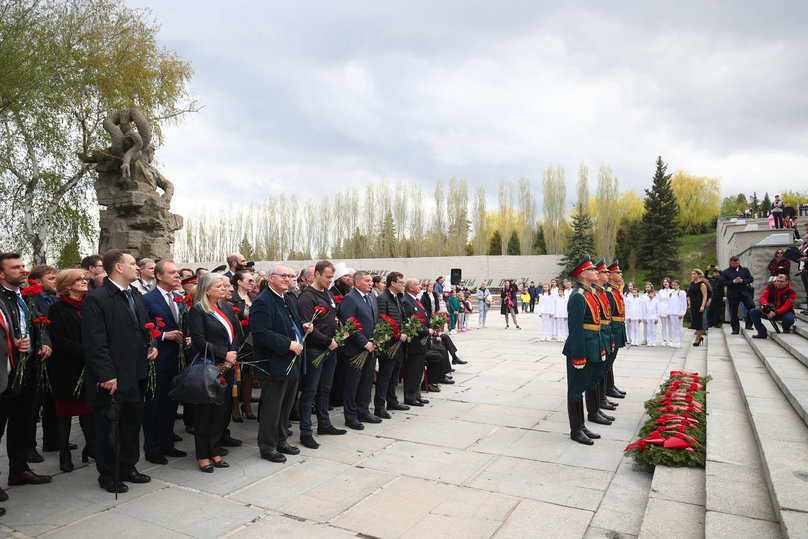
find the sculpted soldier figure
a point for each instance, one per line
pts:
(583, 347)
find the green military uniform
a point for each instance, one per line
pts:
(618, 332)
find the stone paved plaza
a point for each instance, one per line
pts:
(489, 456)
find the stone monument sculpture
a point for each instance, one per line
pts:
(134, 215)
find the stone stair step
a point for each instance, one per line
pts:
(794, 343)
(790, 374)
(781, 434)
(737, 501)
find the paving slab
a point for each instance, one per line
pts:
(732, 525)
(539, 519)
(447, 465)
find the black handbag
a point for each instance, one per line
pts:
(201, 382)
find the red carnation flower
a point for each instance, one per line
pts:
(161, 324)
(245, 322)
(338, 299)
(319, 310)
(155, 333)
(33, 290)
(149, 326)
(236, 310)
(158, 319)
(178, 299)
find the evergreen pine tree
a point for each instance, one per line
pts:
(539, 243)
(765, 206)
(659, 246)
(495, 245)
(754, 202)
(513, 244)
(581, 242)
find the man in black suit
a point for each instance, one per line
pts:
(159, 411)
(390, 302)
(277, 333)
(235, 263)
(16, 402)
(736, 281)
(95, 269)
(359, 303)
(414, 362)
(116, 352)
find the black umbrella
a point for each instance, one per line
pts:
(113, 414)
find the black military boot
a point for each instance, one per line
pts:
(611, 390)
(605, 403)
(575, 414)
(593, 414)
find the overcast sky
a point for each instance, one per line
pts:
(310, 97)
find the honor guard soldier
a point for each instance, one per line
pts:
(614, 289)
(595, 400)
(583, 347)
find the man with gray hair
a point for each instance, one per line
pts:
(145, 282)
(359, 303)
(414, 362)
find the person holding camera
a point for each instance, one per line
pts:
(737, 281)
(776, 304)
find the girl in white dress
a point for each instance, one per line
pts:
(677, 305)
(547, 310)
(652, 317)
(664, 320)
(634, 317)
(560, 315)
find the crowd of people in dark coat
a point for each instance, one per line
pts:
(105, 342)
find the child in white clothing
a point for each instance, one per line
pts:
(677, 305)
(547, 310)
(634, 317)
(560, 315)
(652, 317)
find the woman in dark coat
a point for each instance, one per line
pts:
(243, 283)
(509, 294)
(698, 294)
(214, 336)
(66, 364)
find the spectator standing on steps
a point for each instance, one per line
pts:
(777, 211)
(736, 281)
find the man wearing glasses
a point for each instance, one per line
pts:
(92, 264)
(277, 332)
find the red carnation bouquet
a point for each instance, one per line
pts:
(181, 351)
(338, 299)
(438, 320)
(154, 334)
(28, 294)
(383, 331)
(394, 346)
(350, 327)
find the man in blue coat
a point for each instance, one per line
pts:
(736, 280)
(277, 333)
(359, 303)
(159, 411)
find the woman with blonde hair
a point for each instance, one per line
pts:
(697, 295)
(66, 364)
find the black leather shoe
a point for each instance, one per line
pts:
(613, 393)
(307, 440)
(434, 388)
(274, 457)
(369, 419)
(610, 418)
(2, 511)
(330, 429)
(34, 457)
(110, 486)
(230, 442)
(284, 447)
(445, 380)
(458, 361)
(156, 458)
(423, 401)
(354, 424)
(590, 434)
(735, 332)
(206, 469)
(174, 452)
(579, 436)
(414, 403)
(220, 464)
(606, 405)
(597, 418)
(381, 412)
(134, 476)
(398, 406)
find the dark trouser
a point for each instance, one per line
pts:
(577, 381)
(338, 380)
(158, 416)
(597, 373)
(308, 388)
(386, 379)
(756, 316)
(804, 277)
(778, 219)
(50, 432)
(437, 364)
(447, 342)
(532, 302)
(329, 366)
(277, 399)
(188, 414)
(87, 424)
(716, 312)
(358, 384)
(733, 311)
(131, 417)
(413, 370)
(16, 412)
(210, 421)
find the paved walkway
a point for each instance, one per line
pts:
(489, 456)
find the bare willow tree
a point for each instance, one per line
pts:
(417, 223)
(457, 215)
(505, 217)
(607, 212)
(527, 216)
(438, 234)
(400, 199)
(554, 189)
(479, 217)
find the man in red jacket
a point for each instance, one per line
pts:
(781, 295)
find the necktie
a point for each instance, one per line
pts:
(23, 314)
(419, 304)
(175, 312)
(131, 304)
